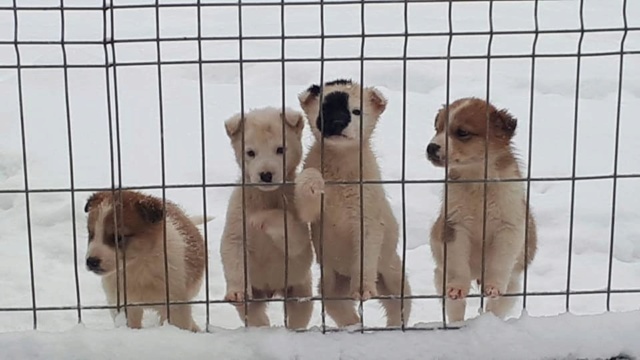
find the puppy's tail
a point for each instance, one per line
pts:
(199, 219)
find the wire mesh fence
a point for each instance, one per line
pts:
(108, 44)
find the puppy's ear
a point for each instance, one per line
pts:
(377, 100)
(293, 119)
(93, 200)
(505, 122)
(150, 209)
(309, 95)
(233, 125)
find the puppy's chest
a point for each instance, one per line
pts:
(466, 204)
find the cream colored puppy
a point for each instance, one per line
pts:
(130, 225)
(462, 227)
(337, 122)
(265, 203)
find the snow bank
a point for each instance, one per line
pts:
(565, 336)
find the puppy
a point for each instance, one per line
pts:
(265, 206)
(338, 121)
(130, 225)
(461, 228)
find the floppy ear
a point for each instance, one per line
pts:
(93, 200)
(377, 100)
(309, 95)
(150, 209)
(505, 122)
(232, 125)
(294, 119)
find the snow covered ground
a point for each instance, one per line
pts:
(553, 118)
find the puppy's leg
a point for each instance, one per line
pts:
(341, 311)
(232, 254)
(391, 284)
(371, 247)
(308, 194)
(455, 308)
(299, 312)
(256, 311)
(501, 258)
(181, 317)
(134, 317)
(272, 223)
(501, 306)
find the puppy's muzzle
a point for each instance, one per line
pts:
(333, 123)
(93, 264)
(432, 152)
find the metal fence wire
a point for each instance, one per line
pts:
(113, 65)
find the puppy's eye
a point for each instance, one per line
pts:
(356, 112)
(251, 153)
(120, 240)
(462, 133)
(280, 150)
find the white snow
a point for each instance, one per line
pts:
(138, 114)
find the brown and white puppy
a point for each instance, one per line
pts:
(265, 203)
(338, 121)
(461, 228)
(130, 225)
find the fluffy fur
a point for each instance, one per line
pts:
(265, 204)
(130, 225)
(338, 121)
(462, 227)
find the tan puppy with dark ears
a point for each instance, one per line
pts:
(130, 225)
(506, 209)
(338, 122)
(265, 203)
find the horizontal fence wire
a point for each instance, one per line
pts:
(111, 64)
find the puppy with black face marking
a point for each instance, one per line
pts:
(337, 122)
(265, 203)
(130, 225)
(461, 228)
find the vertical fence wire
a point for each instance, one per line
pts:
(118, 219)
(614, 191)
(405, 46)
(25, 169)
(162, 163)
(361, 167)
(203, 148)
(284, 164)
(445, 203)
(486, 163)
(534, 49)
(74, 229)
(574, 158)
(322, 156)
(244, 203)
(106, 38)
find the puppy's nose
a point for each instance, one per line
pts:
(93, 263)
(432, 149)
(266, 177)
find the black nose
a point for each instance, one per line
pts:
(432, 149)
(93, 263)
(266, 177)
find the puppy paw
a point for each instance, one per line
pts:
(456, 293)
(368, 291)
(492, 291)
(309, 183)
(235, 297)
